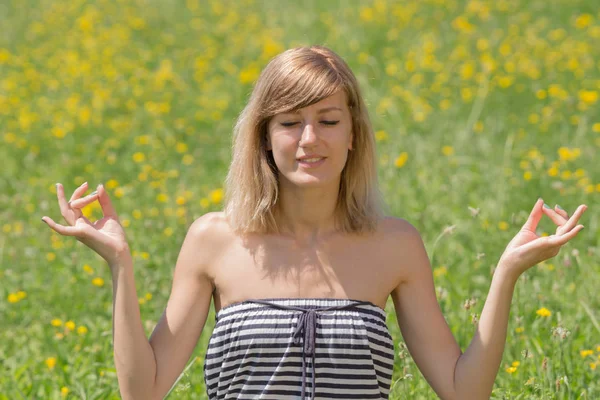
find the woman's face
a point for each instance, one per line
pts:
(322, 130)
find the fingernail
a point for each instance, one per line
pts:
(94, 193)
(559, 207)
(546, 205)
(43, 219)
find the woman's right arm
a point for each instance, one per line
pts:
(147, 369)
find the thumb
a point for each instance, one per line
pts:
(107, 208)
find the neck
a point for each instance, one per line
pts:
(307, 215)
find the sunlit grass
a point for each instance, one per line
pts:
(479, 108)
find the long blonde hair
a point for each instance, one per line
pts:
(292, 80)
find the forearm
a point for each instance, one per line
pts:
(134, 357)
(477, 367)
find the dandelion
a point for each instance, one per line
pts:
(543, 312)
(82, 330)
(585, 353)
(56, 322)
(216, 196)
(511, 370)
(519, 329)
(50, 256)
(98, 282)
(168, 231)
(588, 96)
(51, 362)
(447, 150)
(13, 298)
(64, 391)
(381, 136)
(503, 225)
(440, 271)
(401, 160)
(88, 269)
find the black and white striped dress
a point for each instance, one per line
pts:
(282, 348)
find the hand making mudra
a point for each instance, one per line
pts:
(307, 317)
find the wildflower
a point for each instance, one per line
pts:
(439, 271)
(82, 330)
(588, 96)
(98, 282)
(13, 298)
(543, 312)
(139, 157)
(56, 322)
(447, 150)
(64, 391)
(216, 196)
(519, 329)
(503, 225)
(70, 325)
(401, 160)
(50, 256)
(204, 202)
(51, 362)
(381, 136)
(168, 231)
(585, 353)
(511, 370)
(88, 269)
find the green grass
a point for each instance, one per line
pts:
(495, 103)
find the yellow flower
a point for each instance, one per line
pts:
(216, 196)
(50, 256)
(593, 365)
(401, 160)
(168, 231)
(588, 96)
(204, 202)
(64, 391)
(163, 198)
(527, 175)
(82, 330)
(88, 269)
(139, 157)
(70, 325)
(583, 21)
(520, 329)
(13, 298)
(447, 150)
(585, 353)
(51, 362)
(543, 312)
(439, 271)
(596, 127)
(516, 363)
(98, 282)
(511, 370)
(503, 225)
(56, 322)
(381, 136)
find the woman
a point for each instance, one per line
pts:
(301, 262)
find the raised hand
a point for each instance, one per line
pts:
(527, 249)
(105, 236)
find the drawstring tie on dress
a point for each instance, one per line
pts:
(306, 327)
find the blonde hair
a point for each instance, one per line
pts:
(292, 80)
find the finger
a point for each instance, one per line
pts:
(80, 203)
(559, 240)
(554, 216)
(534, 216)
(562, 212)
(573, 220)
(63, 230)
(79, 191)
(62, 203)
(107, 207)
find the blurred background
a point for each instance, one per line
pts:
(479, 107)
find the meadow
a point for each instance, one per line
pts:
(479, 108)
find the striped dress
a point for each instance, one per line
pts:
(298, 348)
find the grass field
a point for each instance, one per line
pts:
(479, 108)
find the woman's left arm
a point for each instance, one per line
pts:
(452, 374)
(477, 367)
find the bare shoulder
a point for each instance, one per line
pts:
(402, 242)
(212, 234)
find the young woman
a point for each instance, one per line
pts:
(302, 261)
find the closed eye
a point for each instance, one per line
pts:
(288, 124)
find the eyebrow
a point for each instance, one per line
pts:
(321, 111)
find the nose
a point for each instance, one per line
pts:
(309, 136)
